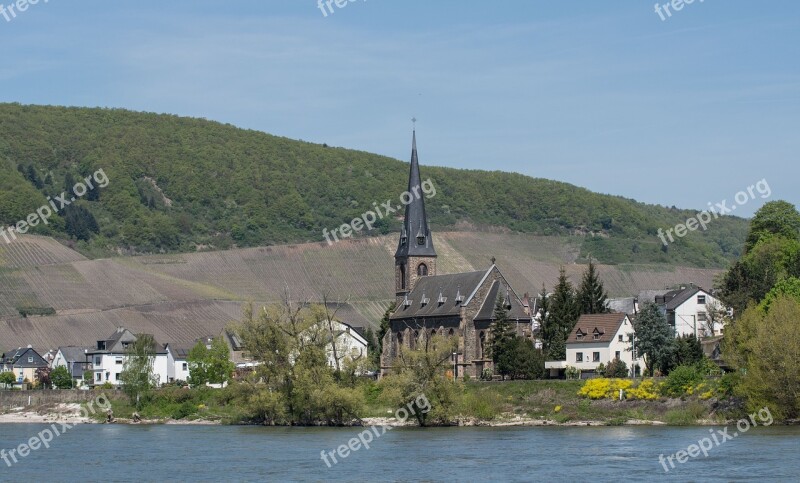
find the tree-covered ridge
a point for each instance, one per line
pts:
(177, 184)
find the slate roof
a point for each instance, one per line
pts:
(116, 343)
(442, 292)
(498, 289)
(675, 298)
(606, 325)
(415, 222)
(19, 358)
(74, 353)
(450, 286)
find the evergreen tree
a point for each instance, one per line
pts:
(561, 319)
(653, 338)
(382, 330)
(591, 294)
(502, 338)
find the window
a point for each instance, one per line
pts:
(30, 358)
(579, 336)
(481, 344)
(422, 270)
(108, 374)
(185, 366)
(620, 338)
(99, 377)
(595, 357)
(616, 355)
(97, 360)
(701, 316)
(701, 299)
(402, 276)
(116, 376)
(579, 357)
(118, 360)
(421, 240)
(596, 336)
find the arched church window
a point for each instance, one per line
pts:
(422, 270)
(402, 276)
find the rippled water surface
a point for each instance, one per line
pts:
(214, 453)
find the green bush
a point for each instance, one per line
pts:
(681, 381)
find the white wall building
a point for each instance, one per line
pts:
(598, 339)
(690, 310)
(108, 359)
(350, 344)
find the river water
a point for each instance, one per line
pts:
(240, 453)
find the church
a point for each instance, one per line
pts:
(459, 305)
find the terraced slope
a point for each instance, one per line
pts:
(181, 297)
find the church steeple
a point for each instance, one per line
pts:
(415, 256)
(415, 236)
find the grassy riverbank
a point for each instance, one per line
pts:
(482, 403)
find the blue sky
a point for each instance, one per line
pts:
(604, 95)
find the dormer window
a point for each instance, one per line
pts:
(420, 240)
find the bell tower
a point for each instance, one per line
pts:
(415, 256)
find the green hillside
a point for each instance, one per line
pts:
(178, 184)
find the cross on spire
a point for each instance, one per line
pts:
(414, 123)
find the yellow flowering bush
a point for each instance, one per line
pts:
(646, 390)
(600, 388)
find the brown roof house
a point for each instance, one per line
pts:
(459, 305)
(598, 339)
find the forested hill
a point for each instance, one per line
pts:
(182, 184)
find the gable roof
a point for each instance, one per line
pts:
(449, 286)
(19, 358)
(498, 289)
(74, 353)
(606, 325)
(675, 298)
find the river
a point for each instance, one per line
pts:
(246, 453)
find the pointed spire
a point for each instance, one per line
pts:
(416, 219)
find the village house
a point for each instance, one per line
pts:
(74, 359)
(598, 339)
(459, 305)
(108, 359)
(178, 359)
(350, 343)
(691, 311)
(23, 362)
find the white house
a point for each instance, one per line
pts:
(350, 343)
(598, 339)
(692, 310)
(108, 358)
(177, 362)
(74, 359)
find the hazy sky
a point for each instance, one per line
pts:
(605, 95)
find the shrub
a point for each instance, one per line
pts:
(681, 381)
(600, 388)
(572, 372)
(616, 368)
(647, 390)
